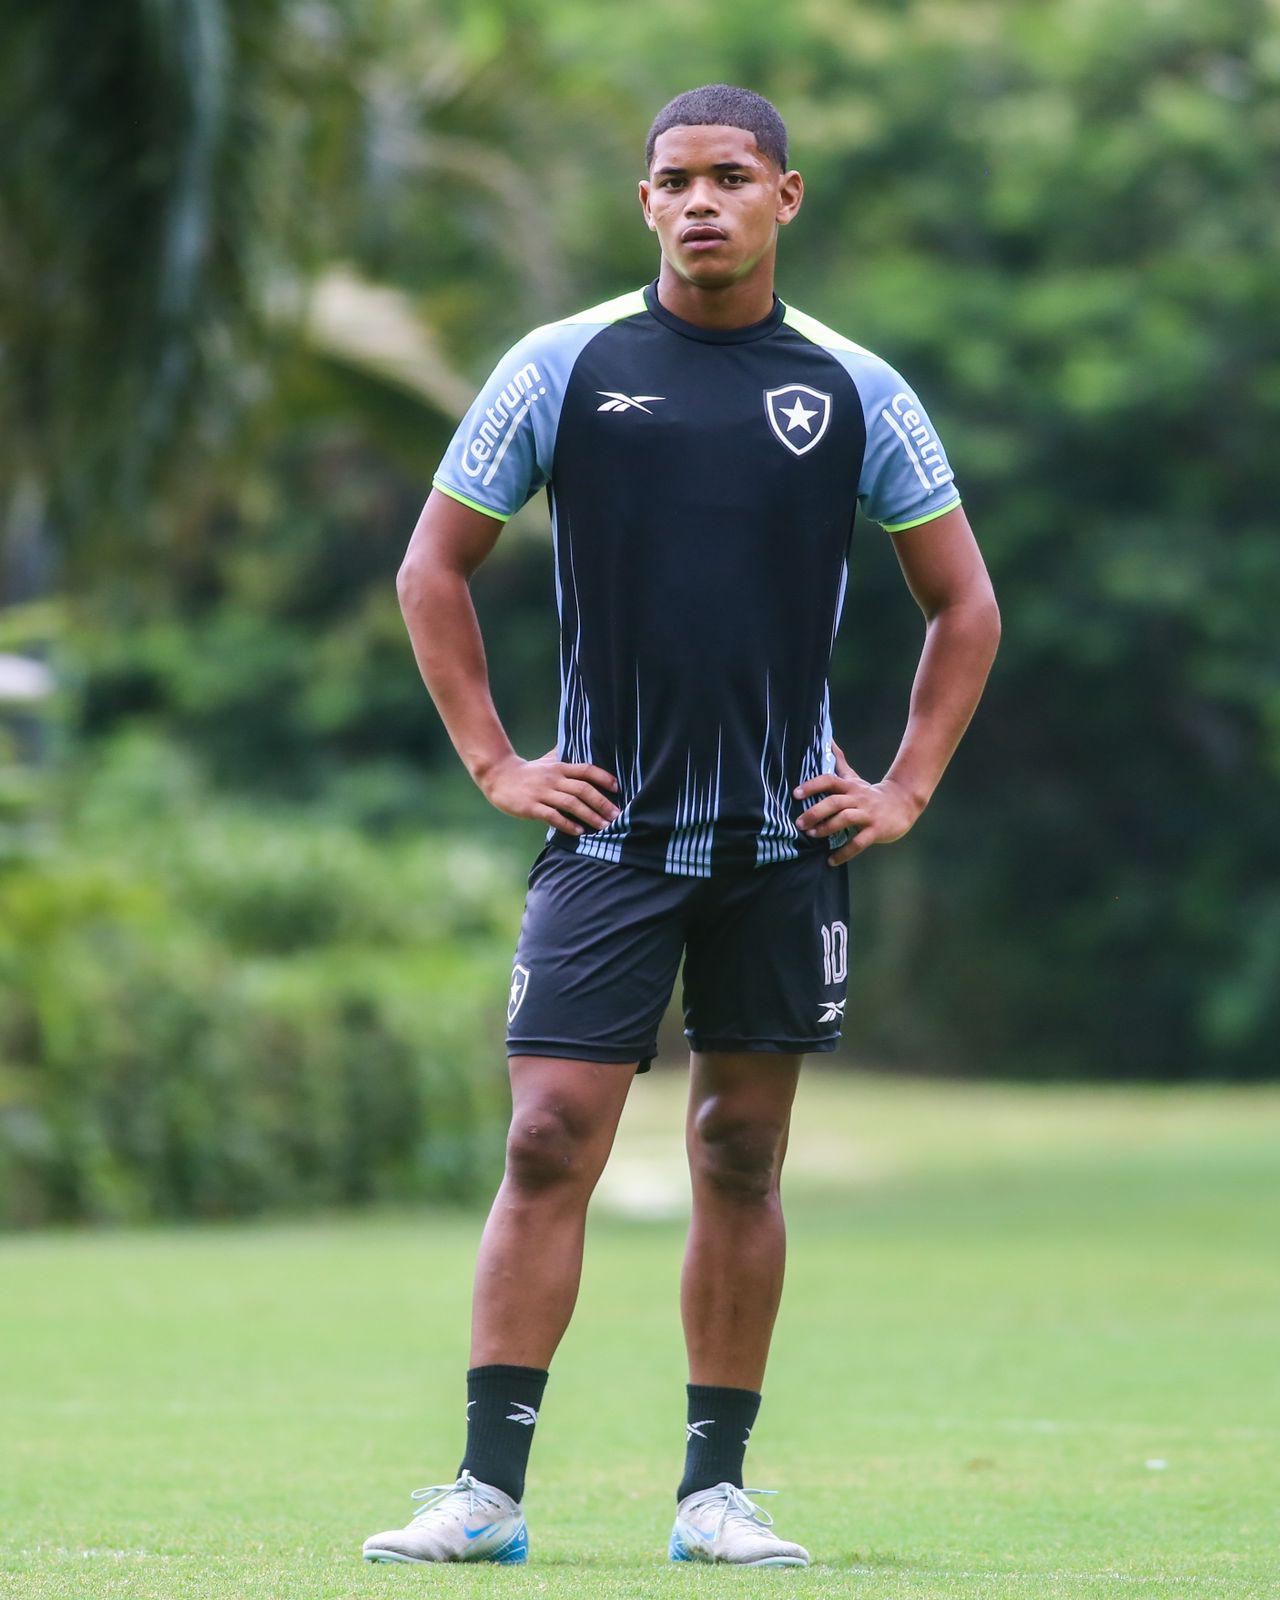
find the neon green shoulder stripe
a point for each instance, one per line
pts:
(502, 516)
(623, 305)
(820, 333)
(899, 527)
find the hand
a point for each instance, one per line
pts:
(881, 812)
(552, 791)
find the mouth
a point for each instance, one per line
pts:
(702, 237)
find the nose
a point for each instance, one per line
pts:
(701, 199)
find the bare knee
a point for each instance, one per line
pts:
(736, 1154)
(548, 1147)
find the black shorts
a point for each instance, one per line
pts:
(765, 958)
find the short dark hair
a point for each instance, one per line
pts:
(723, 104)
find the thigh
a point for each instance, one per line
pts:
(766, 967)
(596, 961)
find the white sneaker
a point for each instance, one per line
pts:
(722, 1524)
(462, 1521)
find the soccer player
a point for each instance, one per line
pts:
(704, 447)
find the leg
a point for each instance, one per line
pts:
(598, 951)
(764, 983)
(739, 1114)
(761, 989)
(564, 1116)
(597, 956)
(595, 962)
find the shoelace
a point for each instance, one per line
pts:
(737, 1504)
(434, 1496)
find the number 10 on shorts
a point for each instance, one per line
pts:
(835, 952)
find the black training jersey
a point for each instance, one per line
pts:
(702, 486)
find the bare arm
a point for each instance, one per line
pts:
(448, 544)
(945, 572)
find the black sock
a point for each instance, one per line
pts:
(720, 1422)
(502, 1407)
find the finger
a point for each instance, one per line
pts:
(591, 796)
(843, 769)
(842, 802)
(819, 785)
(596, 775)
(547, 814)
(860, 841)
(824, 808)
(574, 807)
(850, 817)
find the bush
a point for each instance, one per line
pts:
(212, 1013)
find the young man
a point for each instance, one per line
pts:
(704, 447)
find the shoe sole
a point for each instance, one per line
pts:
(512, 1554)
(767, 1561)
(393, 1557)
(677, 1550)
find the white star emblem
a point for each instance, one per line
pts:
(802, 424)
(798, 416)
(519, 988)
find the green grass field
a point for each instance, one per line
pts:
(1030, 1346)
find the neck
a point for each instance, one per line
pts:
(730, 305)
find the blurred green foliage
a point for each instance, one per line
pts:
(256, 257)
(208, 1009)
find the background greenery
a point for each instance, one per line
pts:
(255, 256)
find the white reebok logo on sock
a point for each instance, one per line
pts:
(692, 1428)
(522, 1413)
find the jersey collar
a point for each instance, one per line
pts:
(690, 330)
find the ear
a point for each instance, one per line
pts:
(644, 203)
(790, 196)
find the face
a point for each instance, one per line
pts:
(716, 202)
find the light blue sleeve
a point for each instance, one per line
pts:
(500, 455)
(906, 478)
(503, 450)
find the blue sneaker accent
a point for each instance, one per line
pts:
(516, 1548)
(487, 1527)
(678, 1550)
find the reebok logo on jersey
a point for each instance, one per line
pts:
(519, 988)
(522, 1413)
(923, 451)
(627, 402)
(484, 450)
(832, 1011)
(798, 415)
